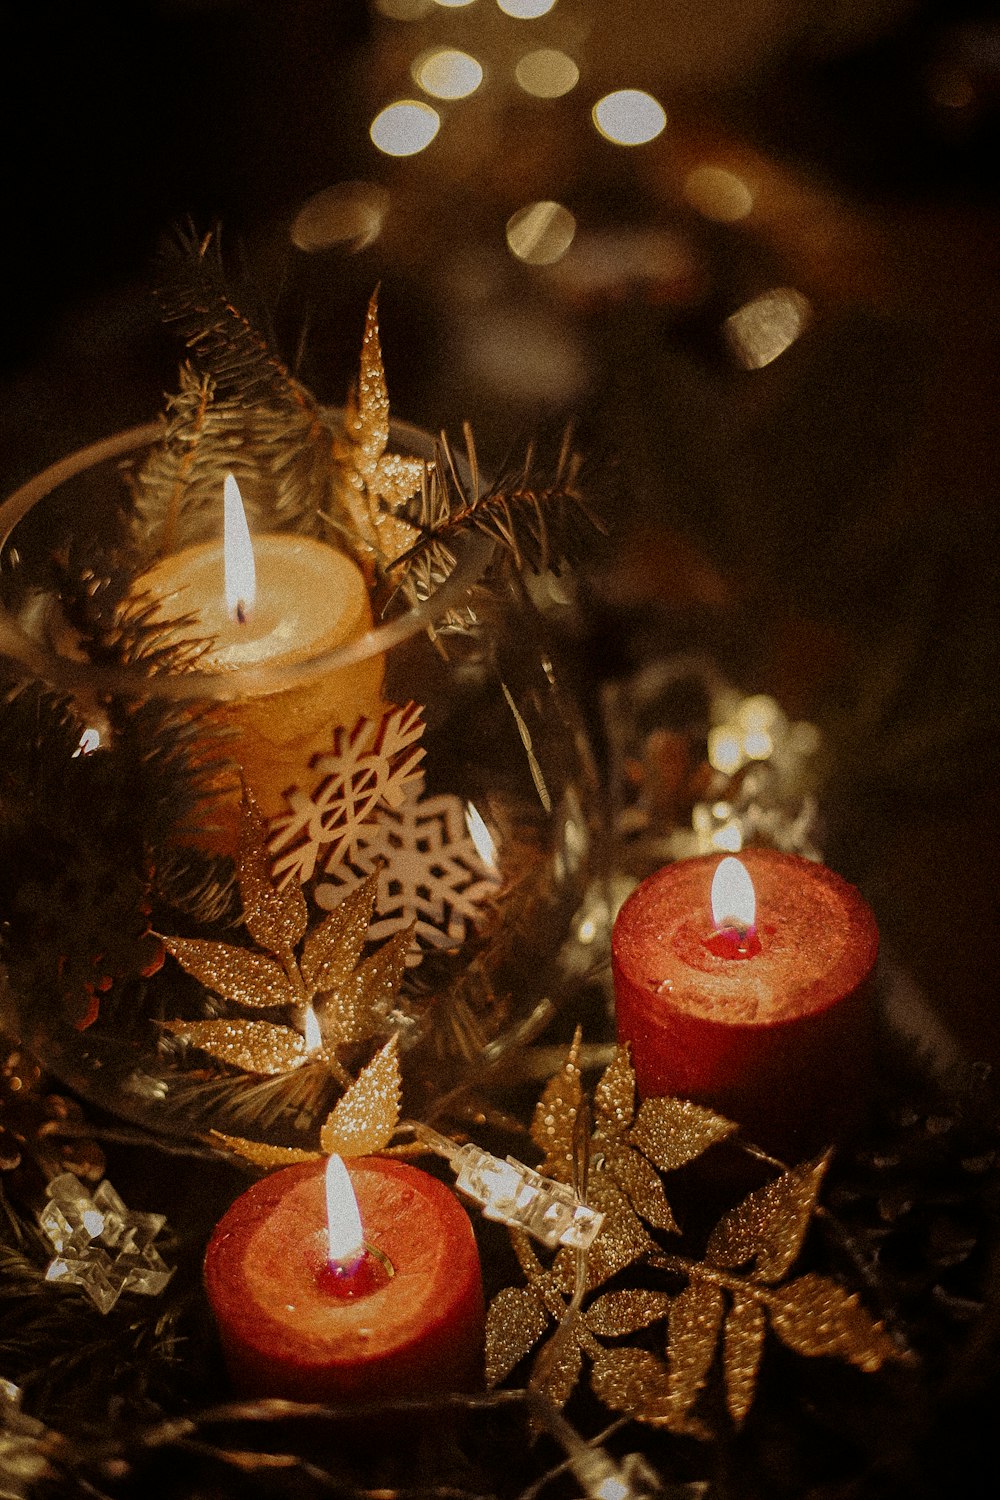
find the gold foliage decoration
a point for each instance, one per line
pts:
(362, 1121)
(714, 1311)
(335, 999)
(376, 482)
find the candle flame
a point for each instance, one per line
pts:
(345, 1236)
(311, 1031)
(734, 901)
(90, 740)
(237, 548)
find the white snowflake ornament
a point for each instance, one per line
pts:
(372, 764)
(431, 874)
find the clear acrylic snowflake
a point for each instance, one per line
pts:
(370, 765)
(100, 1245)
(431, 873)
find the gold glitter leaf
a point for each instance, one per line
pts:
(557, 1370)
(253, 1046)
(814, 1316)
(619, 1313)
(398, 479)
(743, 1345)
(379, 480)
(614, 1096)
(352, 1011)
(554, 1122)
(332, 949)
(672, 1132)
(637, 1383)
(369, 423)
(364, 1118)
(693, 1326)
(768, 1227)
(621, 1241)
(515, 1322)
(264, 1156)
(275, 919)
(641, 1185)
(239, 974)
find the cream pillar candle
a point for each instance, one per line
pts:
(306, 600)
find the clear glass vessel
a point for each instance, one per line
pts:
(508, 799)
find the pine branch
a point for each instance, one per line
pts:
(194, 295)
(239, 410)
(542, 525)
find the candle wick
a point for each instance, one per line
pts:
(241, 612)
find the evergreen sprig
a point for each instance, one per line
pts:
(541, 521)
(239, 409)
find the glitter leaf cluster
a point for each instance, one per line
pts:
(691, 1316)
(310, 973)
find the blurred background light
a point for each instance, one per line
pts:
(629, 117)
(453, 4)
(540, 233)
(766, 326)
(350, 214)
(526, 10)
(547, 73)
(446, 73)
(404, 128)
(718, 194)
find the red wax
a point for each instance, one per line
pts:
(775, 1033)
(286, 1332)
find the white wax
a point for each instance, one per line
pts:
(310, 598)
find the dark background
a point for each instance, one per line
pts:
(842, 501)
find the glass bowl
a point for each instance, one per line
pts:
(494, 848)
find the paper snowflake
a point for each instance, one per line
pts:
(431, 875)
(371, 764)
(367, 814)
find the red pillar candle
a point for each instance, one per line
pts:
(766, 1020)
(399, 1316)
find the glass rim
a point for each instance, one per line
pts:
(473, 552)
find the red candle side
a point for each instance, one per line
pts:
(779, 1040)
(284, 1334)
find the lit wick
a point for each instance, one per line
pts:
(237, 553)
(351, 1268)
(734, 912)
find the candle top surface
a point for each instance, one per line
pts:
(311, 598)
(267, 1263)
(817, 941)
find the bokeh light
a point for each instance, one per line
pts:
(718, 194)
(766, 326)
(350, 214)
(725, 753)
(404, 128)
(629, 117)
(453, 4)
(547, 73)
(540, 233)
(525, 10)
(446, 73)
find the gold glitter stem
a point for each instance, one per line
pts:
(697, 1270)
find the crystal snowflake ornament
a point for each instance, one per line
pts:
(100, 1245)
